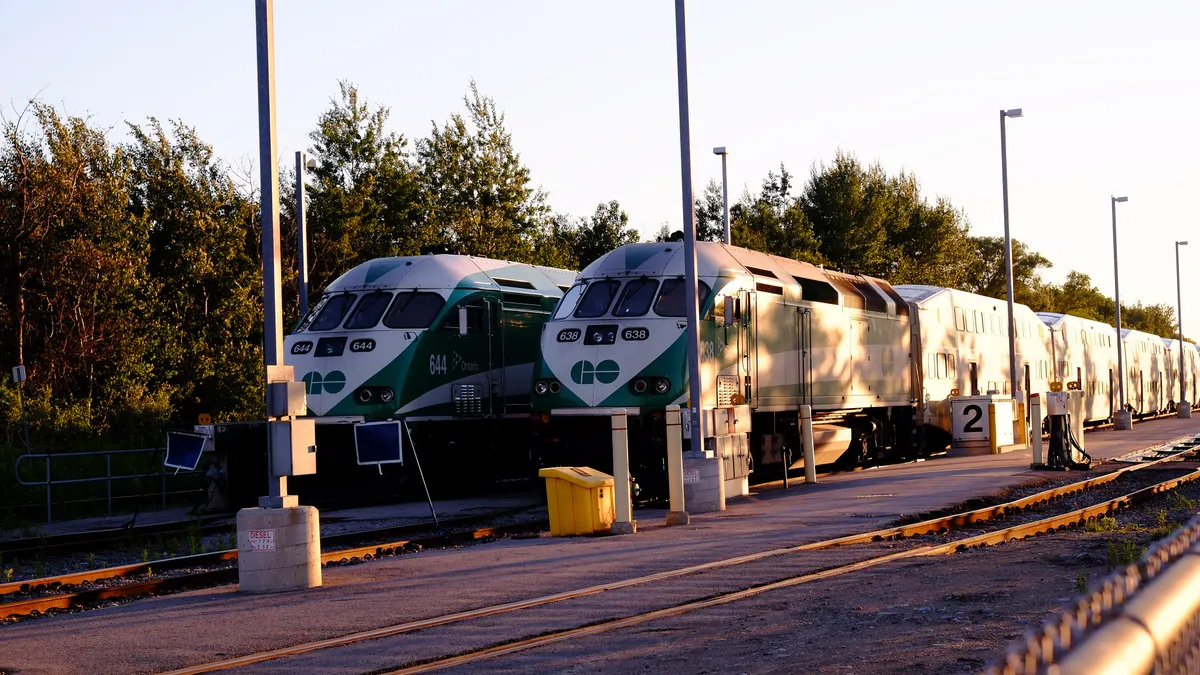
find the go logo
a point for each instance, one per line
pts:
(586, 372)
(333, 382)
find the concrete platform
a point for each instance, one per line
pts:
(202, 626)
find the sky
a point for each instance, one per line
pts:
(590, 96)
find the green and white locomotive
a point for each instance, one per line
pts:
(445, 342)
(775, 334)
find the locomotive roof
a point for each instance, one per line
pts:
(717, 259)
(444, 271)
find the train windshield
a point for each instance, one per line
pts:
(369, 310)
(333, 311)
(414, 309)
(672, 299)
(637, 298)
(569, 301)
(597, 298)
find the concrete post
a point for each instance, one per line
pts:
(678, 515)
(1035, 424)
(806, 434)
(993, 441)
(622, 501)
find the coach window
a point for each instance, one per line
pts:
(597, 298)
(672, 300)
(333, 312)
(636, 299)
(369, 310)
(414, 309)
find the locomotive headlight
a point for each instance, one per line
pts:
(555, 386)
(386, 395)
(541, 388)
(639, 386)
(363, 396)
(662, 385)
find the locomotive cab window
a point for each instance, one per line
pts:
(474, 317)
(414, 309)
(332, 312)
(636, 299)
(369, 310)
(672, 299)
(569, 302)
(596, 299)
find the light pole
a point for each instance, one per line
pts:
(1008, 265)
(696, 404)
(725, 190)
(302, 162)
(1122, 420)
(1182, 407)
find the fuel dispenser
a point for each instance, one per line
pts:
(1066, 451)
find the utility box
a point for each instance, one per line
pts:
(972, 424)
(580, 500)
(294, 447)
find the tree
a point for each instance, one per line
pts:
(206, 324)
(774, 222)
(477, 196)
(710, 213)
(607, 229)
(365, 196)
(77, 315)
(847, 208)
(987, 276)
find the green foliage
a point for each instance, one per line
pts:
(1122, 552)
(987, 276)
(1178, 500)
(477, 196)
(1081, 583)
(1101, 524)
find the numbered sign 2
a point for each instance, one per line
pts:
(970, 420)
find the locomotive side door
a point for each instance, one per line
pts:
(803, 355)
(748, 345)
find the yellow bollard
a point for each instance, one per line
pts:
(677, 515)
(1035, 421)
(622, 501)
(993, 442)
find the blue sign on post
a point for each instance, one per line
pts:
(183, 450)
(379, 443)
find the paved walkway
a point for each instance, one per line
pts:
(201, 626)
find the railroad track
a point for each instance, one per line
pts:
(341, 553)
(209, 577)
(933, 526)
(96, 540)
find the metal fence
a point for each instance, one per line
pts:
(1144, 618)
(40, 465)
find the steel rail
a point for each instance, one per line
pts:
(1045, 525)
(214, 557)
(27, 606)
(933, 526)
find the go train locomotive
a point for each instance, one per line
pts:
(447, 343)
(877, 363)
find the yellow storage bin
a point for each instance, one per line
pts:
(580, 500)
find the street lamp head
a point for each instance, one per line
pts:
(1120, 199)
(719, 151)
(310, 164)
(1015, 112)
(1181, 243)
